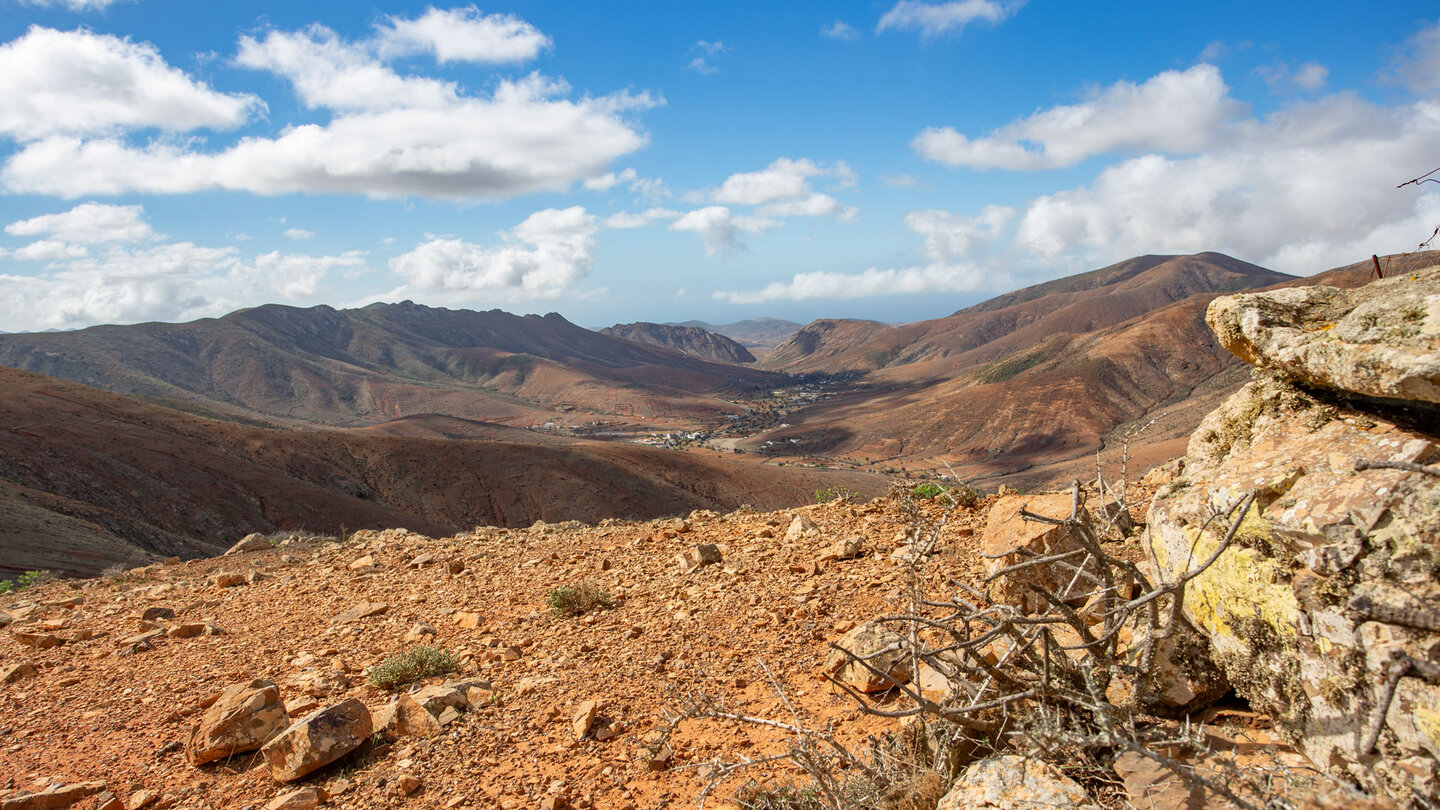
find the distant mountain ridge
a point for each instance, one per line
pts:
(359, 366)
(689, 340)
(755, 333)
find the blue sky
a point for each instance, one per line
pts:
(167, 160)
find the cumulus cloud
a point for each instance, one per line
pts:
(1305, 188)
(954, 247)
(840, 30)
(703, 56)
(462, 35)
(935, 19)
(109, 267)
(387, 134)
(539, 258)
(719, 228)
(82, 83)
(786, 184)
(1175, 111)
(299, 234)
(88, 223)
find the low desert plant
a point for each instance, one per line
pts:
(25, 580)
(571, 601)
(829, 494)
(412, 665)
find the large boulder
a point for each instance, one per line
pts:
(1010, 538)
(1380, 340)
(317, 740)
(1332, 572)
(244, 717)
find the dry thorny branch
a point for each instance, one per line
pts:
(1069, 682)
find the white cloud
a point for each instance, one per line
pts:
(840, 30)
(867, 284)
(1309, 77)
(299, 234)
(625, 219)
(703, 56)
(1175, 111)
(609, 180)
(539, 258)
(83, 83)
(935, 19)
(88, 223)
(463, 35)
(294, 276)
(1308, 187)
(1418, 63)
(329, 72)
(388, 135)
(720, 228)
(73, 5)
(815, 205)
(784, 180)
(523, 139)
(952, 245)
(50, 250)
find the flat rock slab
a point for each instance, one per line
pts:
(1380, 340)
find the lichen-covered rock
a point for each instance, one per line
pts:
(1332, 572)
(881, 648)
(317, 740)
(1010, 538)
(1380, 340)
(1014, 783)
(244, 717)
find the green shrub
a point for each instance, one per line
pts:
(7, 585)
(928, 490)
(412, 665)
(569, 601)
(829, 494)
(25, 580)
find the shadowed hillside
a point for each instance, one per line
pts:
(89, 478)
(689, 340)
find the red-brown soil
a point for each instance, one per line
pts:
(92, 714)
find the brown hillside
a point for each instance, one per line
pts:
(144, 480)
(353, 367)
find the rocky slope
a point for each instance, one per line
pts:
(93, 479)
(1321, 610)
(762, 334)
(688, 340)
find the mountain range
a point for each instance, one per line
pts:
(122, 442)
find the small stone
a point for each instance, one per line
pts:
(467, 619)
(366, 563)
(252, 542)
(229, 580)
(583, 718)
(510, 654)
(54, 797)
(406, 784)
(800, 528)
(692, 560)
(361, 611)
(1014, 783)
(422, 560)
(14, 672)
(141, 799)
(881, 648)
(847, 549)
(421, 632)
(302, 799)
(40, 641)
(157, 612)
(187, 630)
